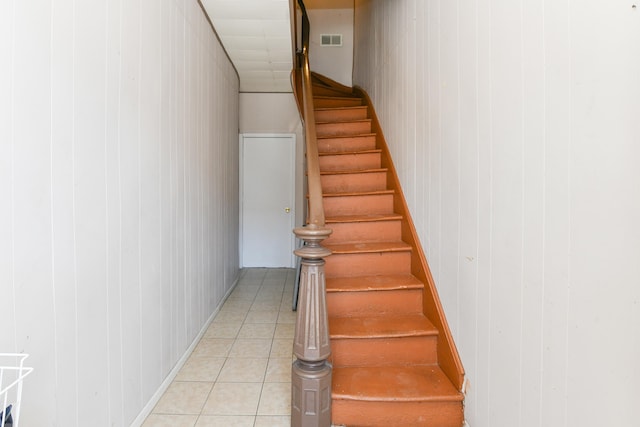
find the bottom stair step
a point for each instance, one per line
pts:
(395, 396)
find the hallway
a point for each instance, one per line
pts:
(240, 372)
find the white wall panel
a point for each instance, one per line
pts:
(119, 186)
(513, 126)
(335, 62)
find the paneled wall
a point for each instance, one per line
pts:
(118, 198)
(515, 128)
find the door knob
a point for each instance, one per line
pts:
(287, 210)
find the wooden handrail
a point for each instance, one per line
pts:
(316, 209)
(311, 372)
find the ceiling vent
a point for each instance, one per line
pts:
(330, 39)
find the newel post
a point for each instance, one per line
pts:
(311, 373)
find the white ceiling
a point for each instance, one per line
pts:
(257, 36)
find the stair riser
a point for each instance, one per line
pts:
(341, 115)
(343, 128)
(371, 264)
(358, 205)
(345, 162)
(336, 102)
(368, 231)
(384, 351)
(397, 414)
(346, 145)
(375, 303)
(354, 182)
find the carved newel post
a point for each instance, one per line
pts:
(311, 373)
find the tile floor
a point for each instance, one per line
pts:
(239, 374)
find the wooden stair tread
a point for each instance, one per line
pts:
(392, 326)
(393, 384)
(373, 283)
(359, 193)
(363, 218)
(321, 90)
(336, 122)
(359, 107)
(343, 153)
(352, 171)
(336, 91)
(360, 135)
(368, 247)
(346, 96)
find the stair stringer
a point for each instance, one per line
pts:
(448, 357)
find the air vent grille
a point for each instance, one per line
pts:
(331, 39)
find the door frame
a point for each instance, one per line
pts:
(292, 189)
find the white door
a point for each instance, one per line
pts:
(268, 189)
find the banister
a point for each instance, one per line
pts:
(316, 209)
(311, 372)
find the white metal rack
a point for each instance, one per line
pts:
(12, 373)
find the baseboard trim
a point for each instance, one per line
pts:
(153, 401)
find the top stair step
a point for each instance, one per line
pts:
(335, 101)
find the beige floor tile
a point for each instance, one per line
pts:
(287, 317)
(243, 370)
(201, 369)
(278, 370)
(269, 296)
(285, 330)
(250, 287)
(222, 330)
(260, 305)
(275, 399)
(231, 316)
(272, 286)
(161, 420)
(262, 317)
(257, 330)
(251, 348)
(250, 281)
(286, 304)
(247, 350)
(233, 399)
(238, 304)
(211, 348)
(225, 421)
(242, 291)
(183, 398)
(273, 421)
(281, 348)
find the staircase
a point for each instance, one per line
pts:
(385, 349)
